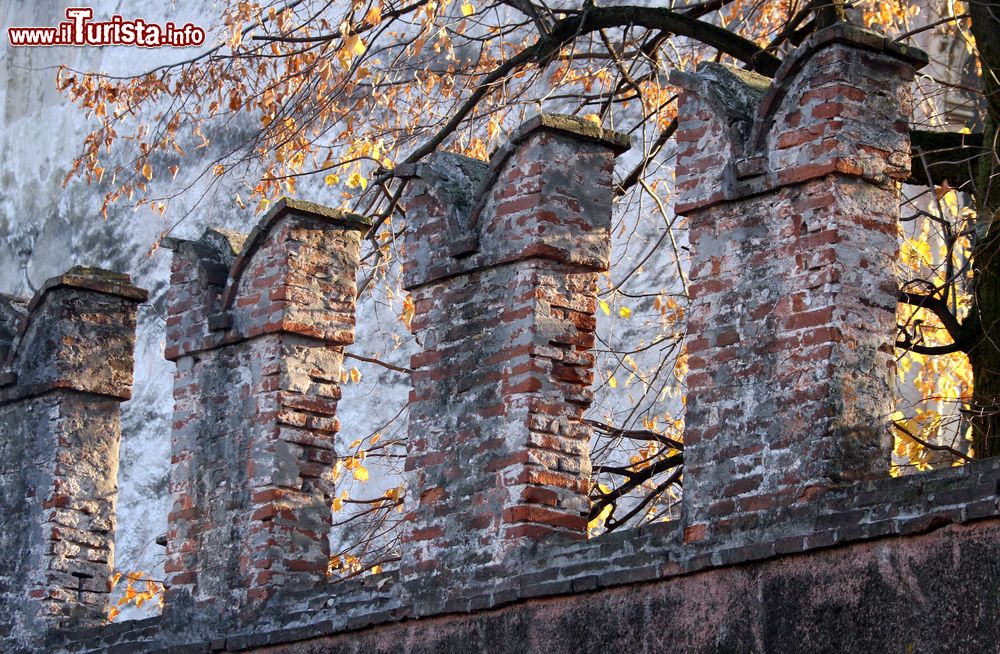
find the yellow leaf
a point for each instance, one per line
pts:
(374, 15)
(331, 179)
(357, 179)
(376, 569)
(951, 201)
(374, 439)
(612, 382)
(354, 46)
(605, 308)
(338, 504)
(113, 613)
(115, 579)
(625, 312)
(599, 520)
(361, 473)
(593, 118)
(355, 377)
(147, 171)
(468, 9)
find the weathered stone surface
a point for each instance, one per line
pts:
(791, 531)
(793, 238)
(498, 454)
(848, 600)
(863, 523)
(258, 336)
(66, 369)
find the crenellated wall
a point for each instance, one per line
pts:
(793, 536)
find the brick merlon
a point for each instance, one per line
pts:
(281, 208)
(839, 33)
(85, 278)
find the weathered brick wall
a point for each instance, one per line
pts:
(794, 538)
(66, 366)
(257, 326)
(502, 261)
(792, 195)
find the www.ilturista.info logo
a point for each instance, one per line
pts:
(78, 29)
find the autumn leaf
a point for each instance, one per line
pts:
(357, 179)
(374, 15)
(356, 45)
(361, 473)
(147, 171)
(468, 9)
(599, 520)
(409, 311)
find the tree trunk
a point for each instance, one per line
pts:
(984, 355)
